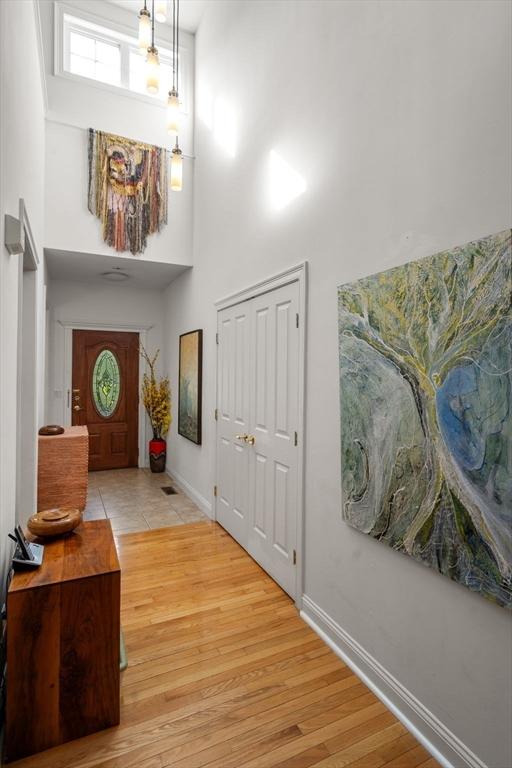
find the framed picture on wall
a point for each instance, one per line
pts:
(190, 385)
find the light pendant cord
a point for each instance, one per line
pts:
(177, 44)
(153, 24)
(173, 45)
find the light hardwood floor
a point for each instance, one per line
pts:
(223, 672)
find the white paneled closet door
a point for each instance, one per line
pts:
(233, 417)
(258, 401)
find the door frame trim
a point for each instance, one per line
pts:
(29, 334)
(290, 275)
(299, 274)
(81, 325)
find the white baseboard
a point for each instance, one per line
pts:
(203, 504)
(442, 744)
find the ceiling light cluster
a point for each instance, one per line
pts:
(159, 12)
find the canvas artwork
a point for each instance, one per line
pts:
(426, 413)
(127, 189)
(190, 385)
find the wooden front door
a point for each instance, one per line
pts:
(105, 395)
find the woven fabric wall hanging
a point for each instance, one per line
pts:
(127, 189)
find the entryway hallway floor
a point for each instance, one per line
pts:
(222, 672)
(133, 500)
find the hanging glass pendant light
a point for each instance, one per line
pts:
(173, 114)
(161, 11)
(144, 29)
(152, 60)
(152, 71)
(176, 169)
(173, 102)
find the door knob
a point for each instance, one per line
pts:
(250, 439)
(241, 437)
(76, 408)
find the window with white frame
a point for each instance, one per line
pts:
(93, 57)
(108, 56)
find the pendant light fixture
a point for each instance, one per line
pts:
(177, 169)
(144, 29)
(152, 60)
(173, 103)
(161, 11)
(146, 22)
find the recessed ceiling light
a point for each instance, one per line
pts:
(115, 275)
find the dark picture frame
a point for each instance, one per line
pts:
(190, 385)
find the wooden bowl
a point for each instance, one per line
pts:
(54, 522)
(51, 429)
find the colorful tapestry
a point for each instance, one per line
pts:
(426, 411)
(127, 189)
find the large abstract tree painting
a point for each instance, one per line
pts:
(426, 412)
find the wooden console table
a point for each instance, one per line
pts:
(63, 625)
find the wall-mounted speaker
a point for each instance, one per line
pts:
(14, 235)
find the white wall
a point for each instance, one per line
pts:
(74, 105)
(21, 176)
(106, 305)
(398, 116)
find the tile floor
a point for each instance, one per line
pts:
(133, 500)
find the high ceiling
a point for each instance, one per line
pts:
(191, 11)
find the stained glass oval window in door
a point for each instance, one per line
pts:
(106, 383)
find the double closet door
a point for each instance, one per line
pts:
(257, 423)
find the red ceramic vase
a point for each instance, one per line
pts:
(157, 454)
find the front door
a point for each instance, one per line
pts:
(105, 395)
(258, 414)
